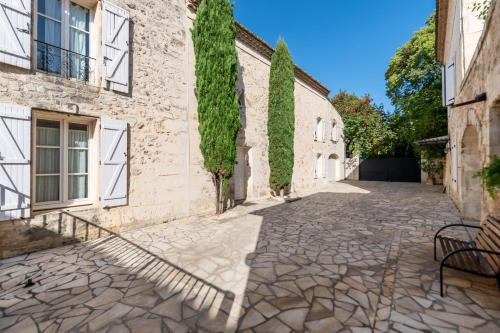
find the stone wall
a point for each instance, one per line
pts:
(483, 75)
(155, 110)
(166, 176)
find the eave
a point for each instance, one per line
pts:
(257, 44)
(441, 24)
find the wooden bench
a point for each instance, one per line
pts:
(480, 256)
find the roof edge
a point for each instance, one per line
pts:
(259, 45)
(441, 25)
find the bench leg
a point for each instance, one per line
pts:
(441, 279)
(498, 281)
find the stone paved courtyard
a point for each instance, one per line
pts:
(356, 257)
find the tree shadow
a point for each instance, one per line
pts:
(107, 283)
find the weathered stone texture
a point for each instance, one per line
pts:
(166, 175)
(155, 110)
(483, 75)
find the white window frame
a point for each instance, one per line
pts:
(334, 135)
(92, 170)
(318, 167)
(318, 131)
(65, 30)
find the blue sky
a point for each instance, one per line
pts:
(345, 44)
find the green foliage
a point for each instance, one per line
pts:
(490, 175)
(366, 131)
(214, 35)
(281, 117)
(413, 81)
(481, 8)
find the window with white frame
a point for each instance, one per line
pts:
(319, 130)
(335, 132)
(63, 39)
(319, 166)
(63, 165)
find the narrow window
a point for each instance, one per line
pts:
(49, 26)
(48, 160)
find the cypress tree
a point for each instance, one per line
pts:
(281, 118)
(216, 71)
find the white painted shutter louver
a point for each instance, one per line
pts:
(15, 155)
(15, 32)
(450, 84)
(323, 134)
(114, 162)
(115, 39)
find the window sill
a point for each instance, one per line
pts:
(39, 210)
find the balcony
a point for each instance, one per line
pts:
(67, 64)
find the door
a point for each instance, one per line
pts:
(241, 174)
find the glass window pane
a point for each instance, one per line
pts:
(78, 136)
(49, 31)
(50, 8)
(79, 17)
(48, 133)
(47, 161)
(77, 161)
(47, 188)
(77, 187)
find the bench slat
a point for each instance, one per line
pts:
(485, 243)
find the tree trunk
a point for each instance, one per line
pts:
(216, 182)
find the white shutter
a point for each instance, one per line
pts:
(115, 37)
(450, 83)
(324, 131)
(15, 32)
(315, 128)
(15, 155)
(114, 171)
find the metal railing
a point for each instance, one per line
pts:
(55, 60)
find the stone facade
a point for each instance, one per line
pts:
(474, 129)
(166, 179)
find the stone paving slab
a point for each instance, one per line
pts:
(356, 257)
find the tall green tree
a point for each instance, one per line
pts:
(366, 131)
(281, 118)
(413, 81)
(216, 69)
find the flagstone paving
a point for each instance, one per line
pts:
(357, 257)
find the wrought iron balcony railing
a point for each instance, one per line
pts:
(65, 63)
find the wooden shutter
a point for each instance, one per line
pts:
(15, 32)
(450, 84)
(115, 37)
(15, 155)
(114, 162)
(324, 131)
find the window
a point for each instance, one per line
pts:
(335, 132)
(319, 170)
(319, 130)
(63, 39)
(63, 172)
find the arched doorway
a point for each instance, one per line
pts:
(332, 169)
(470, 184)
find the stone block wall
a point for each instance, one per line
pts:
(483, 75)
(166, 177)
(155, 110)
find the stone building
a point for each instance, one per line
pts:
(98, 120)
(469, 48)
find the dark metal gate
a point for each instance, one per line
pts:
(394, 169)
